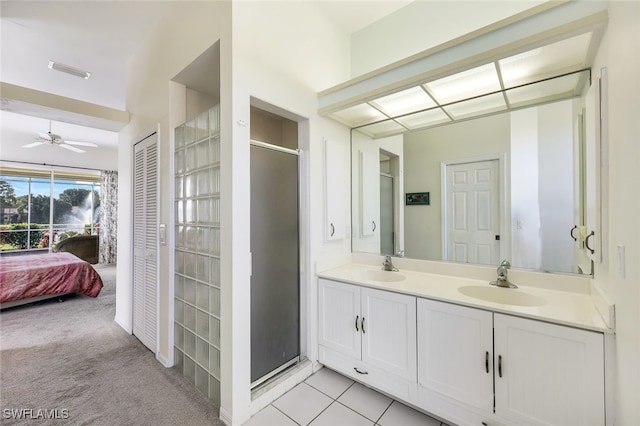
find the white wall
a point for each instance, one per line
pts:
(424, 151)
(283, 54)
(541, 177)
(526, 250)
(620, 53)
(422, 25)
(187, 30)
(555, 149)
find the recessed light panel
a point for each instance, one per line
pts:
(382, 129)
(358, 115)
(414, 99)
(477, 106)
(553, 59)
(545, 91)
(424, 119)
(467, 84)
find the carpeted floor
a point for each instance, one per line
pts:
(71, 360)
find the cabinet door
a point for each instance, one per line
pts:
(547, 374)
(455, 352)
(369, 192)
(335, 190)
(339, 317)
(389, 332)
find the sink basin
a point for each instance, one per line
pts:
(505, 296)
(380, 275)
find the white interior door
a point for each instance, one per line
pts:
(145, 242)
(472, 208)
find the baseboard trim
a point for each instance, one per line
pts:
(164, 361)
(225, 417)
(125, 326)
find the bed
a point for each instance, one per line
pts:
(28, 278)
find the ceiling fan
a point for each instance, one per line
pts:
(53, 140)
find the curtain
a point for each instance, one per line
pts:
(108, 216)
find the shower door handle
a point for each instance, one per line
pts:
(333, 230)
(373, 226)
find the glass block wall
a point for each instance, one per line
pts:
(197, 252)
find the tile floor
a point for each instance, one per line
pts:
(330, 399)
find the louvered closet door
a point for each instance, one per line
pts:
(145, 244)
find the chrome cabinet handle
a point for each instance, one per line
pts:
(500, 365)
(571, 232)
(486, 361)
(362, 324)
(333, 229)
(586, 242)
(360, 372)
(374, 225)
(357, 316)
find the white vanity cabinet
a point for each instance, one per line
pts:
(369, 335)
(539, 373)
(547, 374)
(455, 361)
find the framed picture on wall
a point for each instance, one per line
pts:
(416, 198)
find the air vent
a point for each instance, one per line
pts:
(69, 70)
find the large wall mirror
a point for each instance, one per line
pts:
(503, 186)
(485, 149)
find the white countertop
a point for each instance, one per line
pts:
(560, 307)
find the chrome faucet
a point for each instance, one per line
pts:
(387, 265)
(503, 276)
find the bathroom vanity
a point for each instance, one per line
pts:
(463, 350)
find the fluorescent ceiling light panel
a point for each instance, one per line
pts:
(467, 84)
(544, 91)
(358, 115)
(553, 59)
(410, 100)
(382, 129)
(57, 66)
(477, 106)
(423, 119)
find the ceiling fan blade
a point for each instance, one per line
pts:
(31, 145)
(82, 143)
(46, 136)
(71, 148)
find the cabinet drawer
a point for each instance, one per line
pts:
(385, 382)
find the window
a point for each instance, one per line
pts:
(37, 204)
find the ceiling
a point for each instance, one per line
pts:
(69, 32)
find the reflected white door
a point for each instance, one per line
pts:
(472, 207)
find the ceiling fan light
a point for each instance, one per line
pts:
(69, 70)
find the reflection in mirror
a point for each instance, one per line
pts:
(505, 186)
